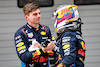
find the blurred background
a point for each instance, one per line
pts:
(12, 18)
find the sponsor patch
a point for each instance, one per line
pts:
(43, 33)
(67, 51)
(59, 57)
(36, 53)
(20, 44)
(30, 35)
(65, 39)
(83, 45)
(22, 51)
(53, 38)
(17, 37)
(21, 48)
(66, 46)
(18, 41)
(37, 29)
(81, 52)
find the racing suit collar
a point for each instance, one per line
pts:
(30, 27)
(36, 29)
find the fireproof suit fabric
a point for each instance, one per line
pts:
(71, 49)
(23, 40)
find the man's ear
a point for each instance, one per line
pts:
(26, 17)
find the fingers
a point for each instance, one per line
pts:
(37, 45)
(51, 45)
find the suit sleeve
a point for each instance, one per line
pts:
(50, 36)
(69, 49)
(21, 44)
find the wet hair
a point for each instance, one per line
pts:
(29, 7)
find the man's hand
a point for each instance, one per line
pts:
(49, 47)
(35, 45)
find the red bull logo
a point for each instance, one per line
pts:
(83, 45)
(81, 52)
(43, 59)
(39, 59)
(36, 53)
(59, 57)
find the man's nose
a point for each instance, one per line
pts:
(39, 15)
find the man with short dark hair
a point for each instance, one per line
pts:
(30, 37)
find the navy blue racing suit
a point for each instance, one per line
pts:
(71, 49)
(23, 40)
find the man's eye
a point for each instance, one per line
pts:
(35, 14)
(40, 13)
